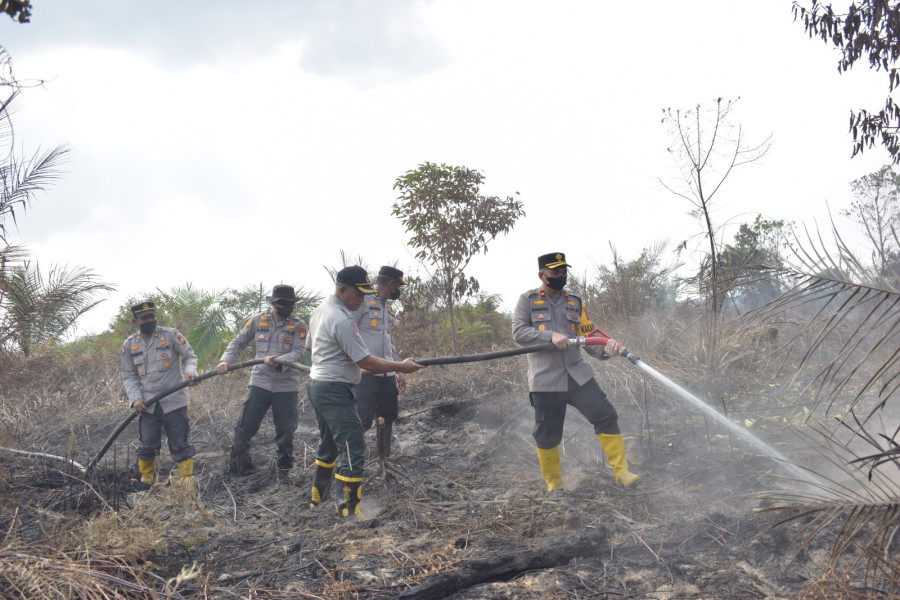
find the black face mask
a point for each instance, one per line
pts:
(395, 295)
(557, 283)
(284, 311)
(148, 327)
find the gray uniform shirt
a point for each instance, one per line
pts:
(375, 318)
(154, 364)
(274, 337)
(335, 343)
(536, 317)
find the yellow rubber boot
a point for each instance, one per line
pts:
(147, 469)
(550, 468)
(184, 469)
(614, 446)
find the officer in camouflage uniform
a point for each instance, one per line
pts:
(559, 379)
(376, 394)
(338, 357)
(152, 361)
(277, 334)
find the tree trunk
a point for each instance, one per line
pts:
(508, 566)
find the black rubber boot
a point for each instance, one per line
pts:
(349, 495)
(239, 462)
(321, 483)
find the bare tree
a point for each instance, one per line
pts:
(876, 211)
(706, 146)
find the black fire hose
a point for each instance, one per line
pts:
(452, 360)
(426, 362)
(182, 385)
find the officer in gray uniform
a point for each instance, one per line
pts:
(558, 379)
(277, 334)
(376, 394)
(338, 357)
(155, 359)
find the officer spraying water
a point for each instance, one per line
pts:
(559, 379)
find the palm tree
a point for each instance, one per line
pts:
(33, 308)
(38, 308)
(211, 319)
(847, 330)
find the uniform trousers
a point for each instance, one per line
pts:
(339, 427)
(550, 412)
(177, 426)
(376, 397)
(285, 418)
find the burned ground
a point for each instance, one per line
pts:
(459, 512)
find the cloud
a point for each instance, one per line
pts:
(366, 41)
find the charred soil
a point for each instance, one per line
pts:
(459, 511)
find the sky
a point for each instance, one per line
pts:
(224, 143)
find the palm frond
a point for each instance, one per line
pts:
(210, 334)
(847, 321)
(859, 511)
(21, 180)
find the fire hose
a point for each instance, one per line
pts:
(121, 427)
(601, 339)
(589, 340)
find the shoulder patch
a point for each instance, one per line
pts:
(355, 328)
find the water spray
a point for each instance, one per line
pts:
(602, 339)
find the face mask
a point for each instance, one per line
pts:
(557, 283)
(395, 295)
(148, 327)
(284, 311)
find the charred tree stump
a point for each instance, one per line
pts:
(505, 568)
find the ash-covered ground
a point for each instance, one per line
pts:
(459, 512)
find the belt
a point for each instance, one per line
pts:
(331, 382)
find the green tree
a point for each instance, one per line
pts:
(629, 288)
(18, 10)
(750, 265)
(869, 30)
(450, 222)
(876, 211)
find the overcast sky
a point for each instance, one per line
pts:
(228, 143)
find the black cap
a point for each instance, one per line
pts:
(282, 292)
(553, 260)
(392, 273)
(357, 277)
(143, 307)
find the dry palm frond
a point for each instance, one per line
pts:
(848, 325)
(24, 575)
(861, 511)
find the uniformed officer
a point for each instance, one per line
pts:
(277, 334)
(338, 357)
(559, 379)
(376, 394)
(155, 359)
